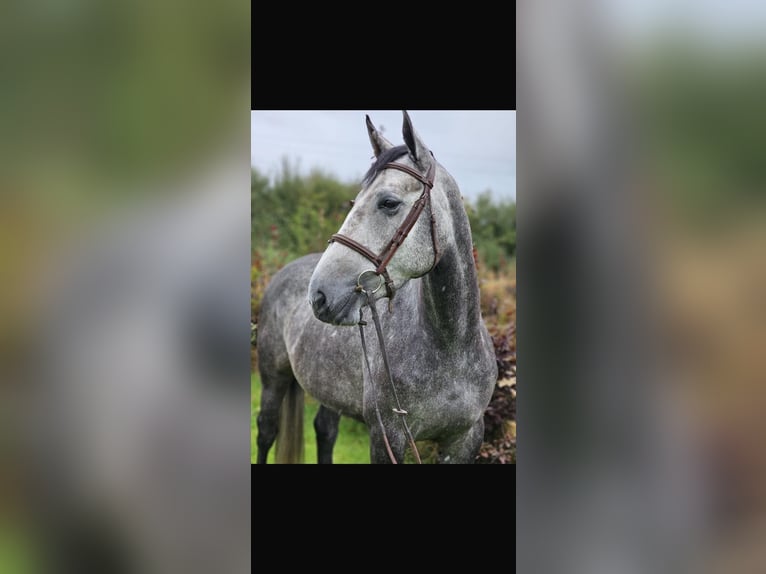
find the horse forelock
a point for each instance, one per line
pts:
(387, 156)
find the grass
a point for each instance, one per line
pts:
(16, 549)
(352, 446)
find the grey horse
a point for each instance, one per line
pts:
(441, 356)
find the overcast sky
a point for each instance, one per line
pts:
(477, 148)
(713, 20)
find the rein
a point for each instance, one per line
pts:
(381, 262)
(398, 410)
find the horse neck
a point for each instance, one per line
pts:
(450, 292)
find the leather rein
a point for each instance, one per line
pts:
(381, 261)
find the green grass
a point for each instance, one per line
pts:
(17, 549)
(352, 446)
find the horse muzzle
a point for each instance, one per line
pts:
(335, 308)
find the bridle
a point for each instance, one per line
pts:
(381, 261)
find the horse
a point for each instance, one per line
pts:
(441, 363)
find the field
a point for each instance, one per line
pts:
(352, 447)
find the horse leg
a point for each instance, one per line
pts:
(326, 426)
(463, 448)
(273, 391)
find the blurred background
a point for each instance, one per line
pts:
(124, 254)
(642, 250)
(307, 166)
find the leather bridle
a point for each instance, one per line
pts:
(382, 260)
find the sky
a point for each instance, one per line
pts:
(478, 148)
(715, 20)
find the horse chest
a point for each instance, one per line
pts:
(440, 397)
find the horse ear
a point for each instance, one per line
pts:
(379, 143)
(418, 150)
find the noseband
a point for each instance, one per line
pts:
(381, 261)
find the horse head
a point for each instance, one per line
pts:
(391, 234)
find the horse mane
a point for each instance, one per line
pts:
(387, 156)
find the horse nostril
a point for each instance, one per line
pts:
(319, 300)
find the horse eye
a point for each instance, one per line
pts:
(389, 203)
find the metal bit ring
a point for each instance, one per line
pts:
(359, 286)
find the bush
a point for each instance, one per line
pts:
(498, 299)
